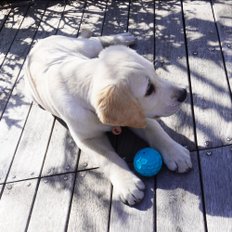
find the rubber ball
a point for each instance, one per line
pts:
(147, 162)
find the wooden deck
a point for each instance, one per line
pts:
(47, 183)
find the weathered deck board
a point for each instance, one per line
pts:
(141, 24)
(17, 109)
(15, 205)
(51, 205)
(33, 145)
(171, 64)
(50, 21)
(217, 182)
(179, 201)
(137, 219)
(222, 10)
(209, 85)
(47, 27)
(116, 17)
(16, 55)
(90, 204)
(13, 119)
(93, 16)
(10, 30)
(12, 124)
(71, 18)
(3, 16)
(62, 152)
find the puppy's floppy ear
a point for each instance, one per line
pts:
(116, 106)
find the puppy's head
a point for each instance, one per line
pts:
(126, 89)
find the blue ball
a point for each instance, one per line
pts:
(147, 162)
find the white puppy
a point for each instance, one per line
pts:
(93, 89)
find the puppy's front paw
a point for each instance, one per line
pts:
(177, 158)
(129, 188)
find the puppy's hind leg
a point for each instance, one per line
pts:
(118, 39)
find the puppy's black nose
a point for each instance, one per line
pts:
(182, 94)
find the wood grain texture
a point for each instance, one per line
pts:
(51, 205)
(3, 16)
(50, 21)
(32, 147)
(71, 18)
(62, 152)
(212, 103)
(222, 10)
(13, 4)
(141, 24)
(179, 200)
(11, 127)
(86, 162)
(10, 30)
(17, 109)
(217, 184)
(138, 218)
(16, 55)
(15, 205)
(171, 64)
(116, 17)
(93, 16)
(91, 202)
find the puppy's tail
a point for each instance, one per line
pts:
(85, 33)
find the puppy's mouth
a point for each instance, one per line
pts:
(172, 110)
(156, 117)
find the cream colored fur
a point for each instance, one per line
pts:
(93, 89)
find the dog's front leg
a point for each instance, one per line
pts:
(176, 157)
(126, 185)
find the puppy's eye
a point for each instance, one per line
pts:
(150, 89)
